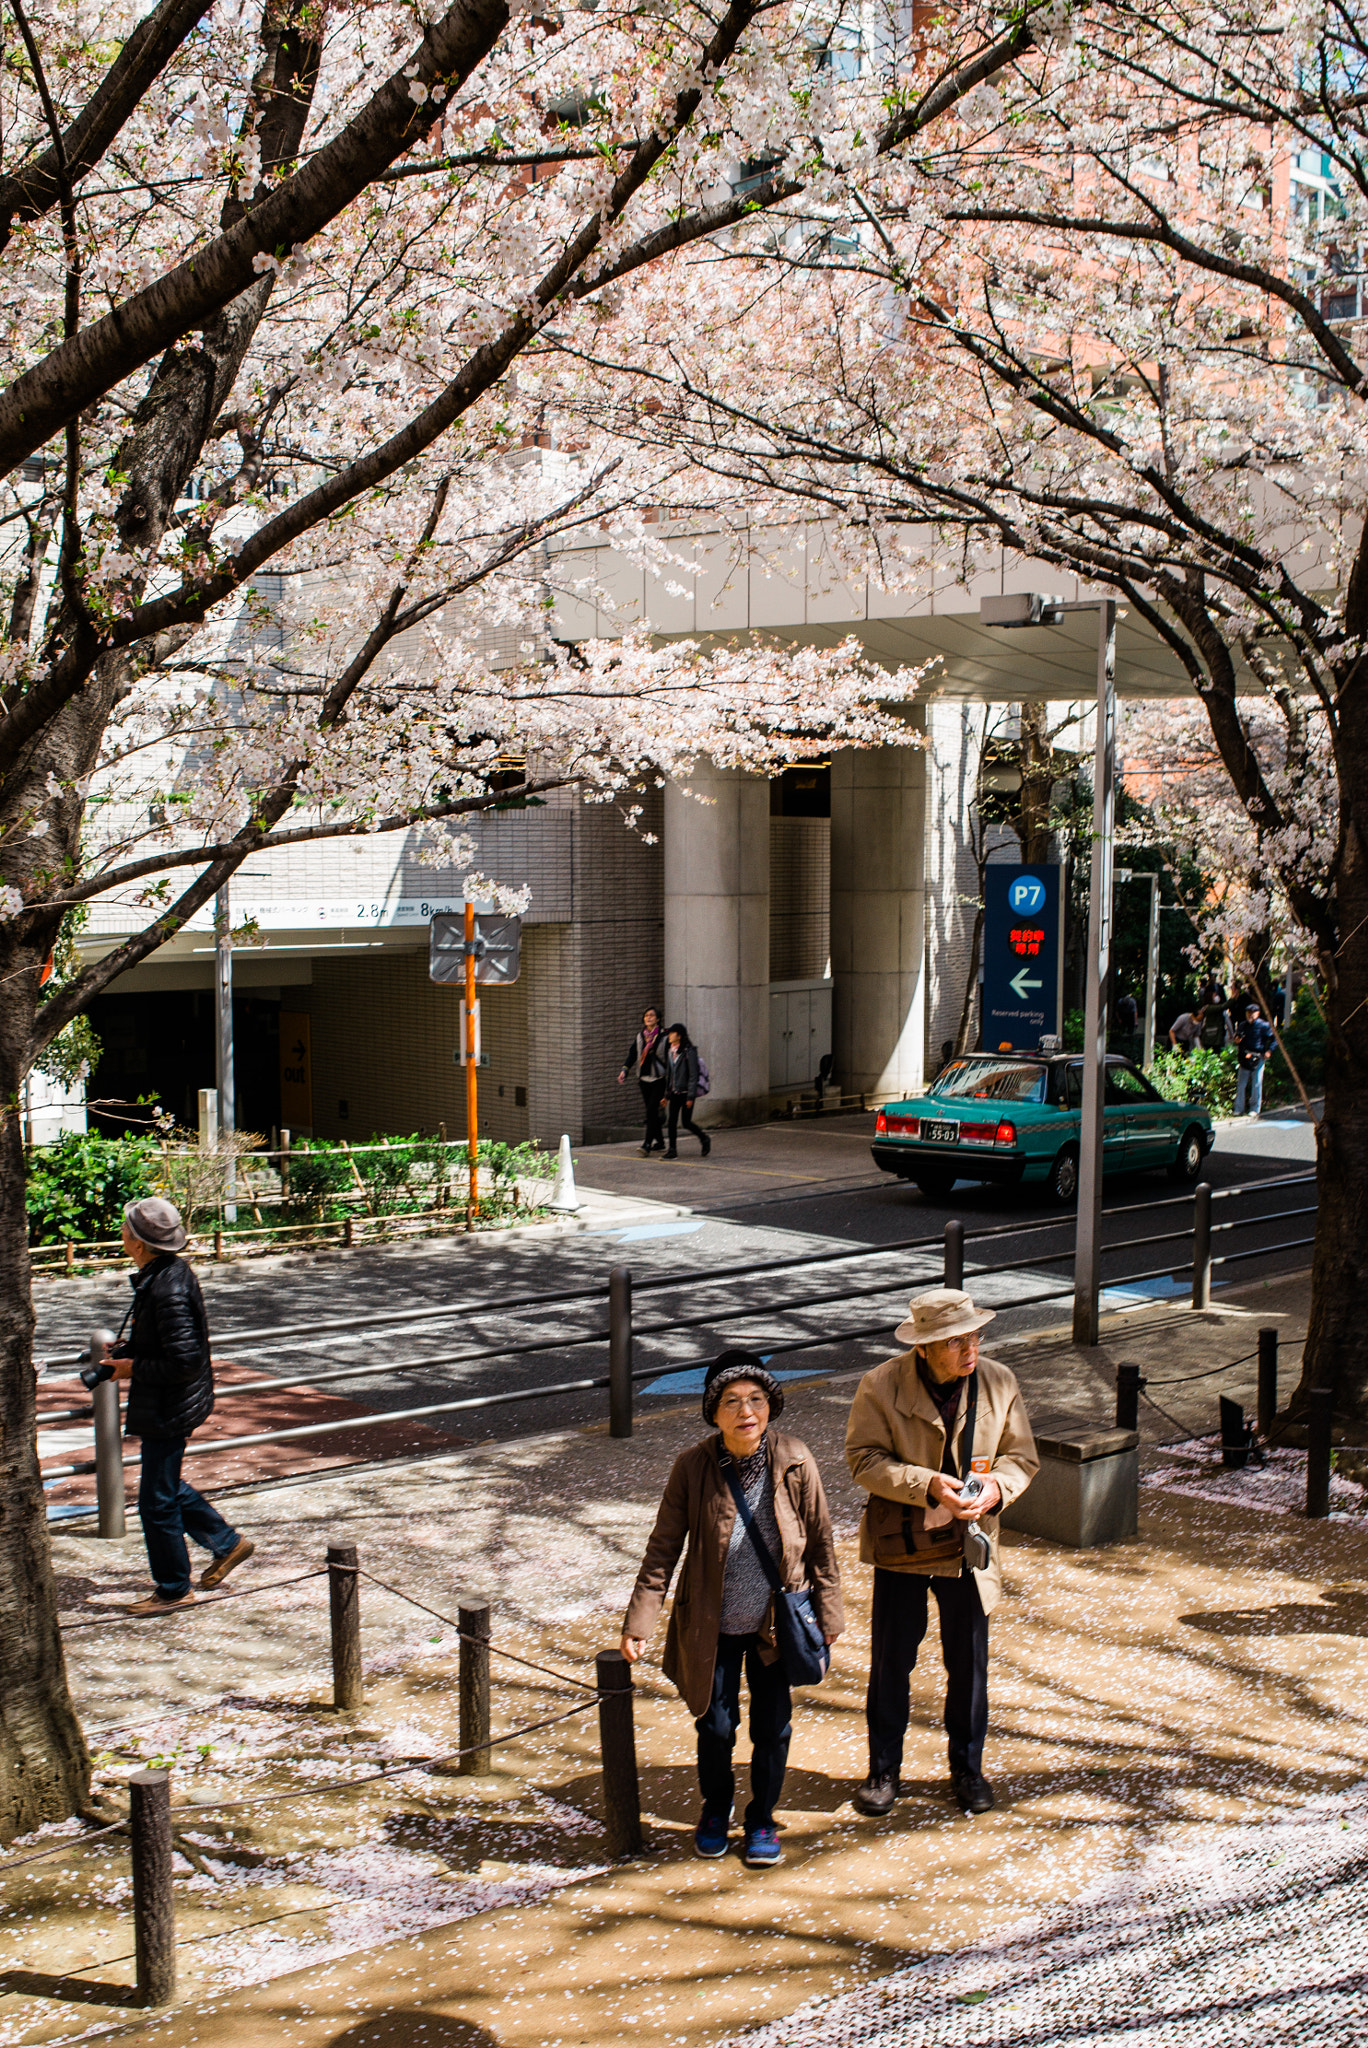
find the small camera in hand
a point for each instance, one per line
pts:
(95, 1375)
(977, 1549)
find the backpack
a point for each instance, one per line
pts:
(1213, 1030)
(704, 1082)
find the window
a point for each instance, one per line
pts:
(984, 1080)
(1073, 1088)
(1125, 1089)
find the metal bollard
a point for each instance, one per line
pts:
(344, 1613)
(1128, 1384)
(109, 1474)
(1235, 1434)
(620, 1351)
(1268, 1380)
(617, 1745)
(954, 1253)
(1201, 1245)
(154, 1910)
(1319, 1430)
(474, 1690)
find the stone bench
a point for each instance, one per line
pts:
(1087, 1491)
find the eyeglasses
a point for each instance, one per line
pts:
(732, 1404)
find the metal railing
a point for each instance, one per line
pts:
(622, 1331)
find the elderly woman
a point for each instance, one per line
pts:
(938, 1437)
(722, 1618)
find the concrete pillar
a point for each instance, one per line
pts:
(878, 919)
(717, 934)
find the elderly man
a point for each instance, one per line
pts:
(170, 1393)
(939, 1438)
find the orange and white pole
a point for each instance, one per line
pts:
(472, 1064)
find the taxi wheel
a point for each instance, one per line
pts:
(935, 1186)
(1187, 1166)
(1062, 1183)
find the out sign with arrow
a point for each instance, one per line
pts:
(1023, 955)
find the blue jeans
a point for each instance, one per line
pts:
(771, 1725)
(1249, 1089)
(170, 1511)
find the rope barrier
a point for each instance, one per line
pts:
(1208, 1372)
(195, 1606)
(118, 1827)
(465, 1635)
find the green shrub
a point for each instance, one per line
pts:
(79, 1187)
(317, 1177)
(1201, 1076)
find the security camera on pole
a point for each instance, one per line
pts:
(465, 949)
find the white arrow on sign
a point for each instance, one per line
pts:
(1021, 983)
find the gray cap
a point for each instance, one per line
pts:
(157, 1224)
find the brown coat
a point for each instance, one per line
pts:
(698, 1504)
(895, 1442)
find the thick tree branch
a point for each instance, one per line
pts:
(34, 189)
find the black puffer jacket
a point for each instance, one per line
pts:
(171, 1391)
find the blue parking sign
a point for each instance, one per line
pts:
(1023, 954)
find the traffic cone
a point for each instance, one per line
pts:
(563, 1195)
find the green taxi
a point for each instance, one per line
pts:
(1014, 1119)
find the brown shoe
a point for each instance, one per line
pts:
(214, 1574)
(154, 1604)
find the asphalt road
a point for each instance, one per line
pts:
(434, 1323)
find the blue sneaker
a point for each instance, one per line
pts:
(710, 1836)
(761, 1848)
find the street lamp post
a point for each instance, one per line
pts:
(1029, 608)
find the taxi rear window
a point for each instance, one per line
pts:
(990, 1080)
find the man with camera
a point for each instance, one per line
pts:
(940, 1439)
(166, 1362)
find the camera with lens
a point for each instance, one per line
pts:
(977, 1549)
(96, 1375)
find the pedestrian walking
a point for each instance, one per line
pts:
(165, 1361)
(1254, 1041)
(748, 1501)
(939, 1438)
(647, 1054)
(681, 1089)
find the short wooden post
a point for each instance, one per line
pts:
(617, 1745)
(1319, 1432)
(620, 1351)
(474, 1689)
(154, 1910)
(1129, 1381)
(344, 1610)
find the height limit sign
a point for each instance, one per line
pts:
(1023, 955)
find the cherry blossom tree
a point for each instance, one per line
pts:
(1117, 325)
(280, 290)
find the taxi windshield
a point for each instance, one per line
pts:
(990, 1080)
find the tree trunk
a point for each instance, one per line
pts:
(44, 1764)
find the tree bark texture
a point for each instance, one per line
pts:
(44, 1764)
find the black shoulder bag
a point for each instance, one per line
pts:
(803, 1649)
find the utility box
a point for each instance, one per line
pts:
(1087, 1491)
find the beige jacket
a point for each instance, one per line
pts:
(699, 1507)
(895, 1443)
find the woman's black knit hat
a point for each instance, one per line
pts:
(740, 1365)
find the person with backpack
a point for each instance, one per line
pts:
(759, 1591)
(1215, 1034)
(686, 1078)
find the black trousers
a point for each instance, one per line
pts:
(899, 1623)
(771, 1725)
(680, 1108)
(652, 1093)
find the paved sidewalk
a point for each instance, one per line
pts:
(1156, 1694)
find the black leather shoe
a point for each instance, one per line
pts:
(670, 1154)
(707, 1146)
(972, 1792)
(877, 1794)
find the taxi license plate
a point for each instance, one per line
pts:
(939, 1133)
